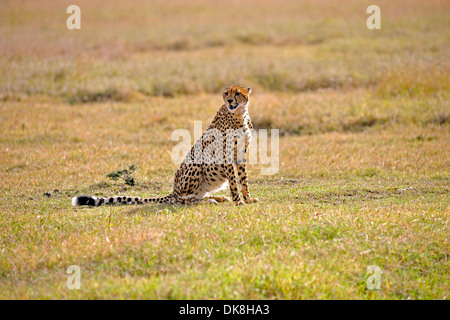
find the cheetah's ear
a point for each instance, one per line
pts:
(249, 90)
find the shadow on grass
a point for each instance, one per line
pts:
(364, 195)
(154, 209)
(158, 208)
(357, 125)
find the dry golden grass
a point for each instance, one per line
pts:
(364, 148)
(132, 49)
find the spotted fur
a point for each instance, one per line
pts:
(201, 174)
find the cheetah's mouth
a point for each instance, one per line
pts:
(234, 107)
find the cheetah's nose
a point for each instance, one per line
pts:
(230, 100)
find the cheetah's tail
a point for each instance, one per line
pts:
(95, 202)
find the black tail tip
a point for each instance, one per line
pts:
(83, 201)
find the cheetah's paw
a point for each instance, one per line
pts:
(251, 200)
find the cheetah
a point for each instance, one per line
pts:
(217, 160)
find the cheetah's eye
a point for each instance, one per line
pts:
(238, 93)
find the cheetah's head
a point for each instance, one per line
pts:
(236, 98)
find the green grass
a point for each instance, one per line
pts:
(364, 148)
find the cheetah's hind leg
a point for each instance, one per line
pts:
(218, 199)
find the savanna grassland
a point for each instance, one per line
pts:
(364, 149)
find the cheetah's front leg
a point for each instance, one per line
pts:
(231, 175)
(242, 172)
